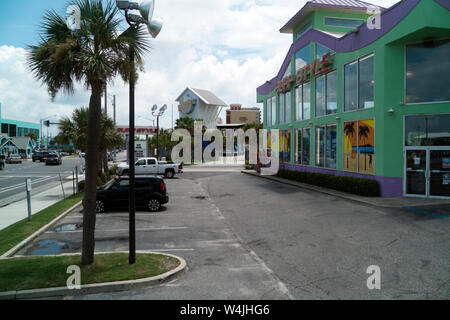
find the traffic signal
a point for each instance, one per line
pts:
(47, 123)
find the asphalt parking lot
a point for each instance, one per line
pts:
(249, 238)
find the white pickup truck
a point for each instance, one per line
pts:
(151, 166)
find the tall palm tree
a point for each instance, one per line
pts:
(93, 55)
(349, 129)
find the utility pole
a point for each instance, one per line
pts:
(114, 110)
(106, 99)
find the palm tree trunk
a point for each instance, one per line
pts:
(105, 161)
(93, 143)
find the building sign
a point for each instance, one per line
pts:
(187, 105)
(141, 131)
(306, 73)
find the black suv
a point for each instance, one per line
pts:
(151, 193)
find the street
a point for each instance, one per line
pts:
(12, 178)
(248, 238)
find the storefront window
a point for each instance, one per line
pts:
(359, 146)
(431, 130)
(321, 51)
(344, 23)
(320, 96)
(326, 146)
(274, 110)
(288, 71)
(351, 86)
(285, 146)
(359, 84)
(299, 103)
(326, 102)
(302, 57)
(306, 101)
(302, 145)
(303, 30)
(366, 83)
(285, 107)
(428, 72)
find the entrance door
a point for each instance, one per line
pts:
(416, 172)
(427, 172)
(440, 173)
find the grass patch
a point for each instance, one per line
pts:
(51, 272)
(14, 234)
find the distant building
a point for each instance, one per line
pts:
(238, 115)
(200, 104)
(11, 129)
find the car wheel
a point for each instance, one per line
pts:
(154, 205)
(99, 206)
(170, 174)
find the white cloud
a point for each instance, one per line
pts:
(229, 47)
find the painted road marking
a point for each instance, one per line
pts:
(21, 185)
(428, 213)
(124, 230)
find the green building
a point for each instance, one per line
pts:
(364, 92)
(13, 136)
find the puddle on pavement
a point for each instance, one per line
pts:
(68, 227)
(50, 247)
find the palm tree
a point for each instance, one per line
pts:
(32, 136)
(349, 129)
(364, 133)
(94, 54)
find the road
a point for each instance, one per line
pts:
(12, 178)
(249, 238)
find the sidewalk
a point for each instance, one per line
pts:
(40, 200)
(398, 202)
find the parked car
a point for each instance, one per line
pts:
(53, 158)
(151, 166)
(82, 155)
(14, 158)
(2, 162)
(151, 193)
(36, 156)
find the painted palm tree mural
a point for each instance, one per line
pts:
(366, 146)
(359, 146)
(349, 131)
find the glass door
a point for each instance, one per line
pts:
(439, 173)
(416, 172)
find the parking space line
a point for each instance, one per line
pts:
(122, 230)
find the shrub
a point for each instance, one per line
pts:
(112, 170)
(99, 182)
(81, 185)
(358, 186)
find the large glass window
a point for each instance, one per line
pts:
(431, 130)
(285, 146)
(428, 72)
(302, 102)
(288, 71)
(274, 110)
(344, 23)
(303, 30)
(326, 146)
(269, 112)
(302, 145)
(303, 57)
(326, 100)
(321, 51)
(285, 107)
(359, 146)
(359, 84)
(306, 101)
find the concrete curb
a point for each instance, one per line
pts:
(377, 202)
(38, 233)
(100, 287)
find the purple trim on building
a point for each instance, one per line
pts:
(350, 42)
(341, 4)
(390, 187)
(444, 3)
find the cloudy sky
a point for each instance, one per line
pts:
(227, 46)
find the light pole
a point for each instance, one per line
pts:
(114, 118)
(145, 9)
(158, 113)
(40, 133)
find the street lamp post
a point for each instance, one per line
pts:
(158, 114)
(145, 9)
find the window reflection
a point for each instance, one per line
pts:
(428, 72)
(433, 130)
(302, 57)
